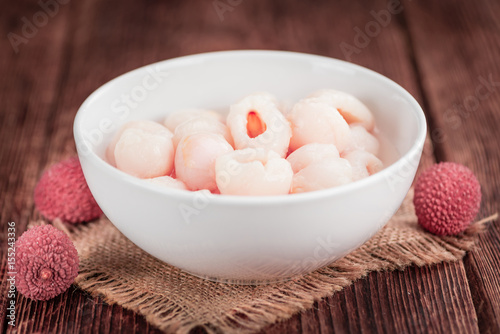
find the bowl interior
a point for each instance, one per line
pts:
(216, 80)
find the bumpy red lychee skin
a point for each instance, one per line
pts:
(447, 198)
(62, 192)
(46, 263)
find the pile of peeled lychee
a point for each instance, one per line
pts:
(447, 198)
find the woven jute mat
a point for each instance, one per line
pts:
(114, 268)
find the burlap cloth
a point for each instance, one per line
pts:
(114, 268)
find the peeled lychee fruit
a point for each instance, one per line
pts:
(46, 262)
(62, 192)
(447, 198)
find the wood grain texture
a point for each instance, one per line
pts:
(461, 76)
(28, 90)
(437, 51)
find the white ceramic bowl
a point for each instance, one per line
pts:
(235, 238)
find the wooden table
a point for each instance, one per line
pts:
(445, 53)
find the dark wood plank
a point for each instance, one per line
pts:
(394, 302)
(457, 51)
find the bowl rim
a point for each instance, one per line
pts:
(401, 162)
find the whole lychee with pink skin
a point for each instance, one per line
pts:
(447, 198)
(62, 192)
(46, 262)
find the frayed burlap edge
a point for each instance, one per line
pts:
(254, 307)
